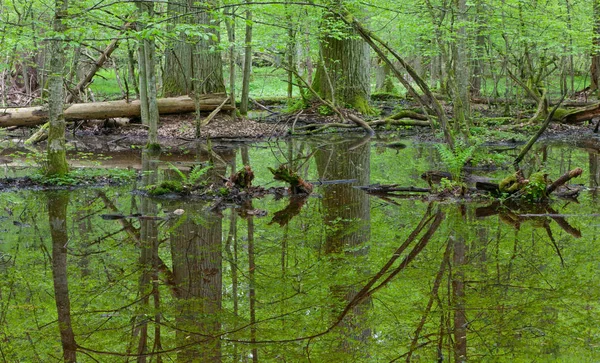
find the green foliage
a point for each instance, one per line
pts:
(324, 110)
(191, 180)
(535, 190)
(455, 159)
(165, 187)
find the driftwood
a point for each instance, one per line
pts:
(33, 116)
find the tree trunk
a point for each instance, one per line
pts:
(477, 62)
(230, 24)
(57, 215)
(343, 74)
(147, 74)
(383, 78)
(192, 63)
(32, 116)
(460, 94)
(247, 61)
(595, 67)
(56, 152)
(347, 215)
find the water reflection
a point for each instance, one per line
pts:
(336, 277)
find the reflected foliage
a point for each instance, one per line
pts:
(338, 276)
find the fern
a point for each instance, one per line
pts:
(197, 173)
(455, 159)
(184, 178)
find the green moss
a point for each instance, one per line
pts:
(361, 104)
(166, 187)
(561, 113)
(385, 96)
(153, 148)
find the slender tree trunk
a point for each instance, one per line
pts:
(595, 67)
(56, 152)
(478, 62)
(461, 98)
(290, 51)
(458, 300)
(343, 75)
(247, 61)
(147, 80)
(57, 215)
(230, 24)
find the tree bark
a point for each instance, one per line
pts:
(595, 67)
(56, 151)
(57, 215)
(460, 94)
(247, 61)
(343, 75)
(147, 74)
(192, 63)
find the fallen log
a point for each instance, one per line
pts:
(32, 116)
(577, 115)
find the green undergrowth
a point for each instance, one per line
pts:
(184, 184)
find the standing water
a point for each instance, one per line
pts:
(340, 276)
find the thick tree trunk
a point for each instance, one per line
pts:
(193, 64)
(32, 116)
(343, 75)
(56, 152)
(198, 273)
(347, 214)
(383, 78)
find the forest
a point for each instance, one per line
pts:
(447, 57)
(299, 181)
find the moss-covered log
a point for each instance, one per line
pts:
(297, 184)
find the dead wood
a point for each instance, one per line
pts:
(98, 63)
(32, 116)
(284, 216)
(563, 180)
(582, 114)
(538, 134)
(209, 118)
(429, 102)
(297, 184)
(390, 188)
(242, 179)
(360, 122)
(408, 114)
